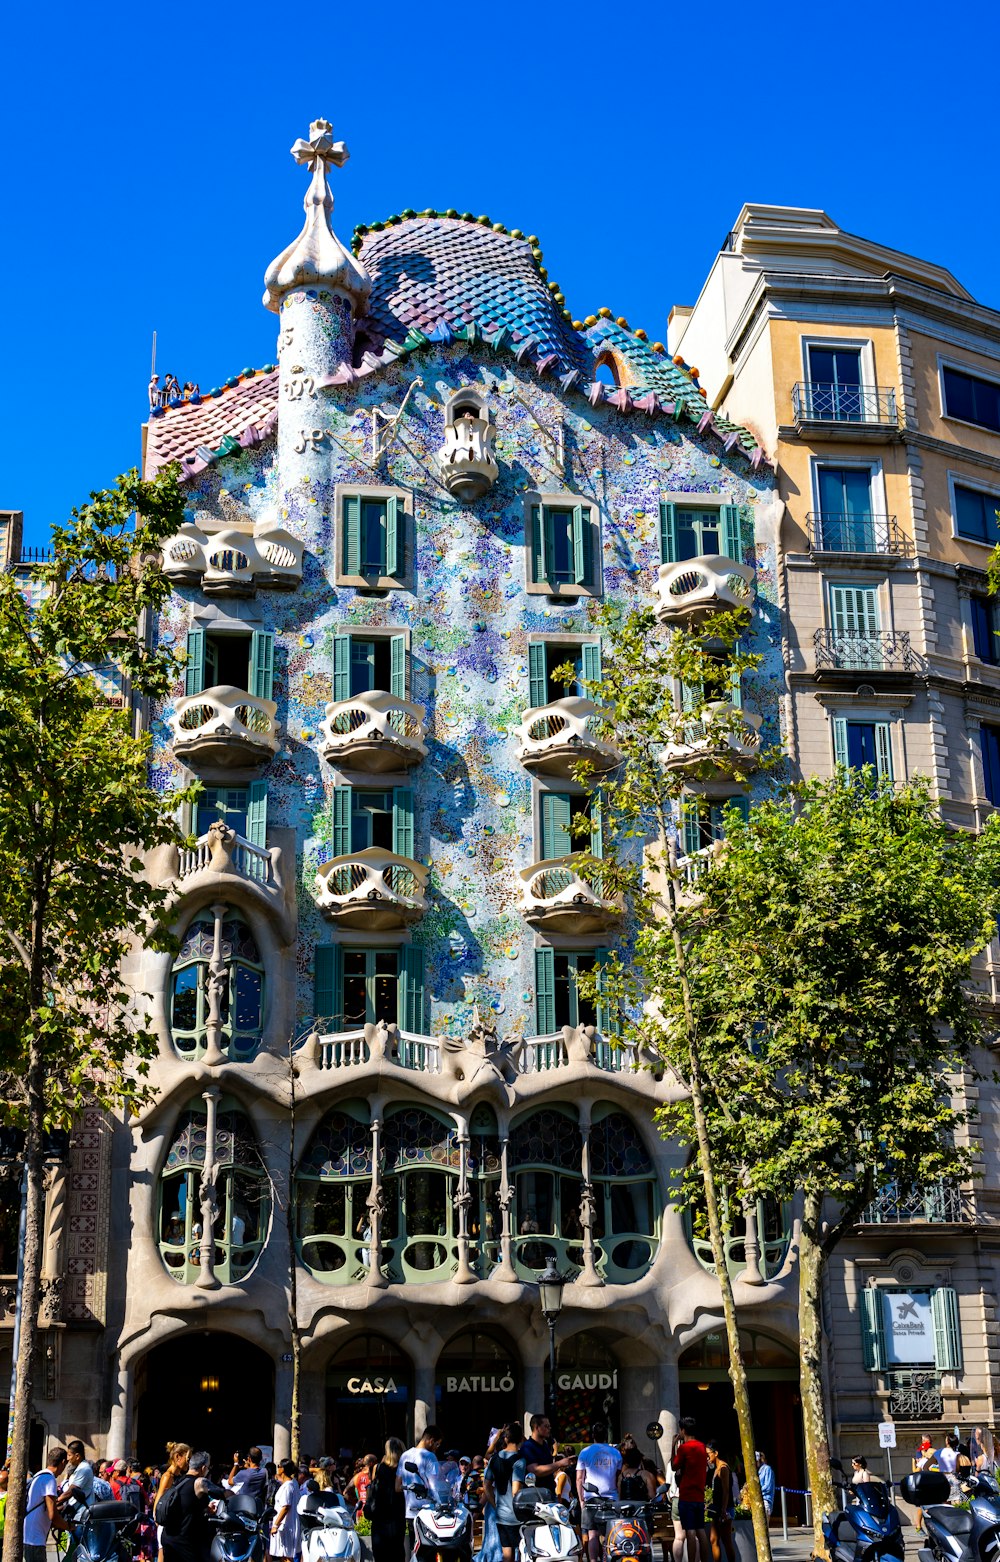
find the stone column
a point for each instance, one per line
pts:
(208, 1193)
(282, 1408)
(376, 1206)
(668, 1413)
(462, 1201)
(588, 1203)
(120, 1439)
(534, 1376)
(506, 1201)
(424, 1410)
(218, 978)
(751, 1274)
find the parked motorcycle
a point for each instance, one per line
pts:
(442, 1526)
(106, 1532)
(237, 1522)
(628, 1527)
(956, 1534)
(547, 1535)
(866, 1527)
(328, 1532)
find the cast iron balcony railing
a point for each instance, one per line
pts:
(938, 1204)
(554, 738)
(696, 588)
(816, 402)
(864, 650)
(833, 533)
(915, 1396)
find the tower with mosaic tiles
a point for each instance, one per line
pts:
(393, 538)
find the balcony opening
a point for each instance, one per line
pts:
(372, 820)
(371, 987)
(228, 803)
(560, 836)
(571, 1007)
(371, 665)
(227, 660)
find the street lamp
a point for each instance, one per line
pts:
(550, 1294)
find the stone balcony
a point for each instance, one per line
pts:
(226, 727)
(554, 738)
(373, 889)
(374, 1045)
(694, 589)
(374, 732)
(234, 562)
(725, 740)
(561, 895)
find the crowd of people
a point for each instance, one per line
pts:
(170, 391)
(174, 1500)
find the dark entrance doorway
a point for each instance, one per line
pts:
(773, 1379)
(477, 1387)
(586, 1389)
(368, 1396)
(213, 1391)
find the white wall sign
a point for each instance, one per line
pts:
(908, 1326)
(887, 1434)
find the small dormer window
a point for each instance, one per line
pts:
(466, 460)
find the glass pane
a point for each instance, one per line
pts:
(535, 1203)
(386, 987)
(248, 997)
(975, 514)
(698, 534)
(373, 532)
(563, 991)
(172, 1210)
(561, 566)
(390, 1219)
(570, 1194)
(586, 1009)
(632, 1207)
(362, 666)
(185, 1004)
(226, 803)
(861, 744)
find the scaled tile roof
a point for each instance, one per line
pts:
(441, 279)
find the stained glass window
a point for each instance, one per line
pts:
(242, 1195)
(332, 1190)
(241, 997)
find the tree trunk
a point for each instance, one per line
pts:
(20, 1410)
(737, 1370)
(817, 1443)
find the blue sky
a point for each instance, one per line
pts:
(146, 180)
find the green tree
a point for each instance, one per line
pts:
(76, 814)
(835, 1021)
(669, 704)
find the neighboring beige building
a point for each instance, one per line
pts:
(873, 381)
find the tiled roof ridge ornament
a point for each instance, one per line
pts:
(317, 256)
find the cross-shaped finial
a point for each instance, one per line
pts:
(321, 149)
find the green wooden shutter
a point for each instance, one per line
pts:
(537, 546)
(947, 1330)
(548, 545)
(596, 828)
(393, 536)
(557, 815)
(591, 664)
(538, 684)
(732, 532)
(194, 673)
(261, 663)
(545, 991)
(607, 1022)
(412, 1002)
(840, 740)
(341, 821)
(257, 813)
(328, 989)
(736, 689)
(691, 830)
(352, 534)
(402, 821)
(582, 545)
(397, 666)
(872, 1329)
(668, 533)
(883, 750)
(341, 667)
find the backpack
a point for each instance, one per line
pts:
(501, 1472)
(633, 1488)
(373, 1501)
(168, 1510)
(131, 1491)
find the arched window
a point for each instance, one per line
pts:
(627, 1206)
(241, 986)
(768, 1230)
(332, 1187)
(420, 1158)
(544, 1161)
(242, 1195)
(484, 1186)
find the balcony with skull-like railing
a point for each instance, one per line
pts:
(234, 561)
(724, 740)
(691, 590)
(224, 727)
(556, 737)
(373, 888)
(374, 731)
(568, 895)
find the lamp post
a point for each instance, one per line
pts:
(550, 1294)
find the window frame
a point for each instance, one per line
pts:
(971, 373)
(398, 579)
(974, 485)
(397, 640)
(860, 344)
(981, 602)
(740, 530)
(534, 547)
(188, 1271)
(202, 965)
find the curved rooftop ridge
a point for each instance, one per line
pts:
(443, 280)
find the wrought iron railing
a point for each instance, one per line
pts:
(914, 1396)
(864, 650)
(816, 402)
(938, 1204)
(830, 532)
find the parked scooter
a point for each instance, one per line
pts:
(106, 1532)
(956, 1534)
(866, 1527)
(237, 1522)
(442, 1527)
(628, 1527)
(328, 1531)
(547, 1535)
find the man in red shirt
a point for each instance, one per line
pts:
(690, 1466)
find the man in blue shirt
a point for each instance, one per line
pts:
(598, 1474)
(768, 1484)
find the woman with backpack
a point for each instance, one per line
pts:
(385, 1507)
(502, 1480)
(637, 1485)
(178, 1459)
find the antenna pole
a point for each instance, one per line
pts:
(152, 366)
